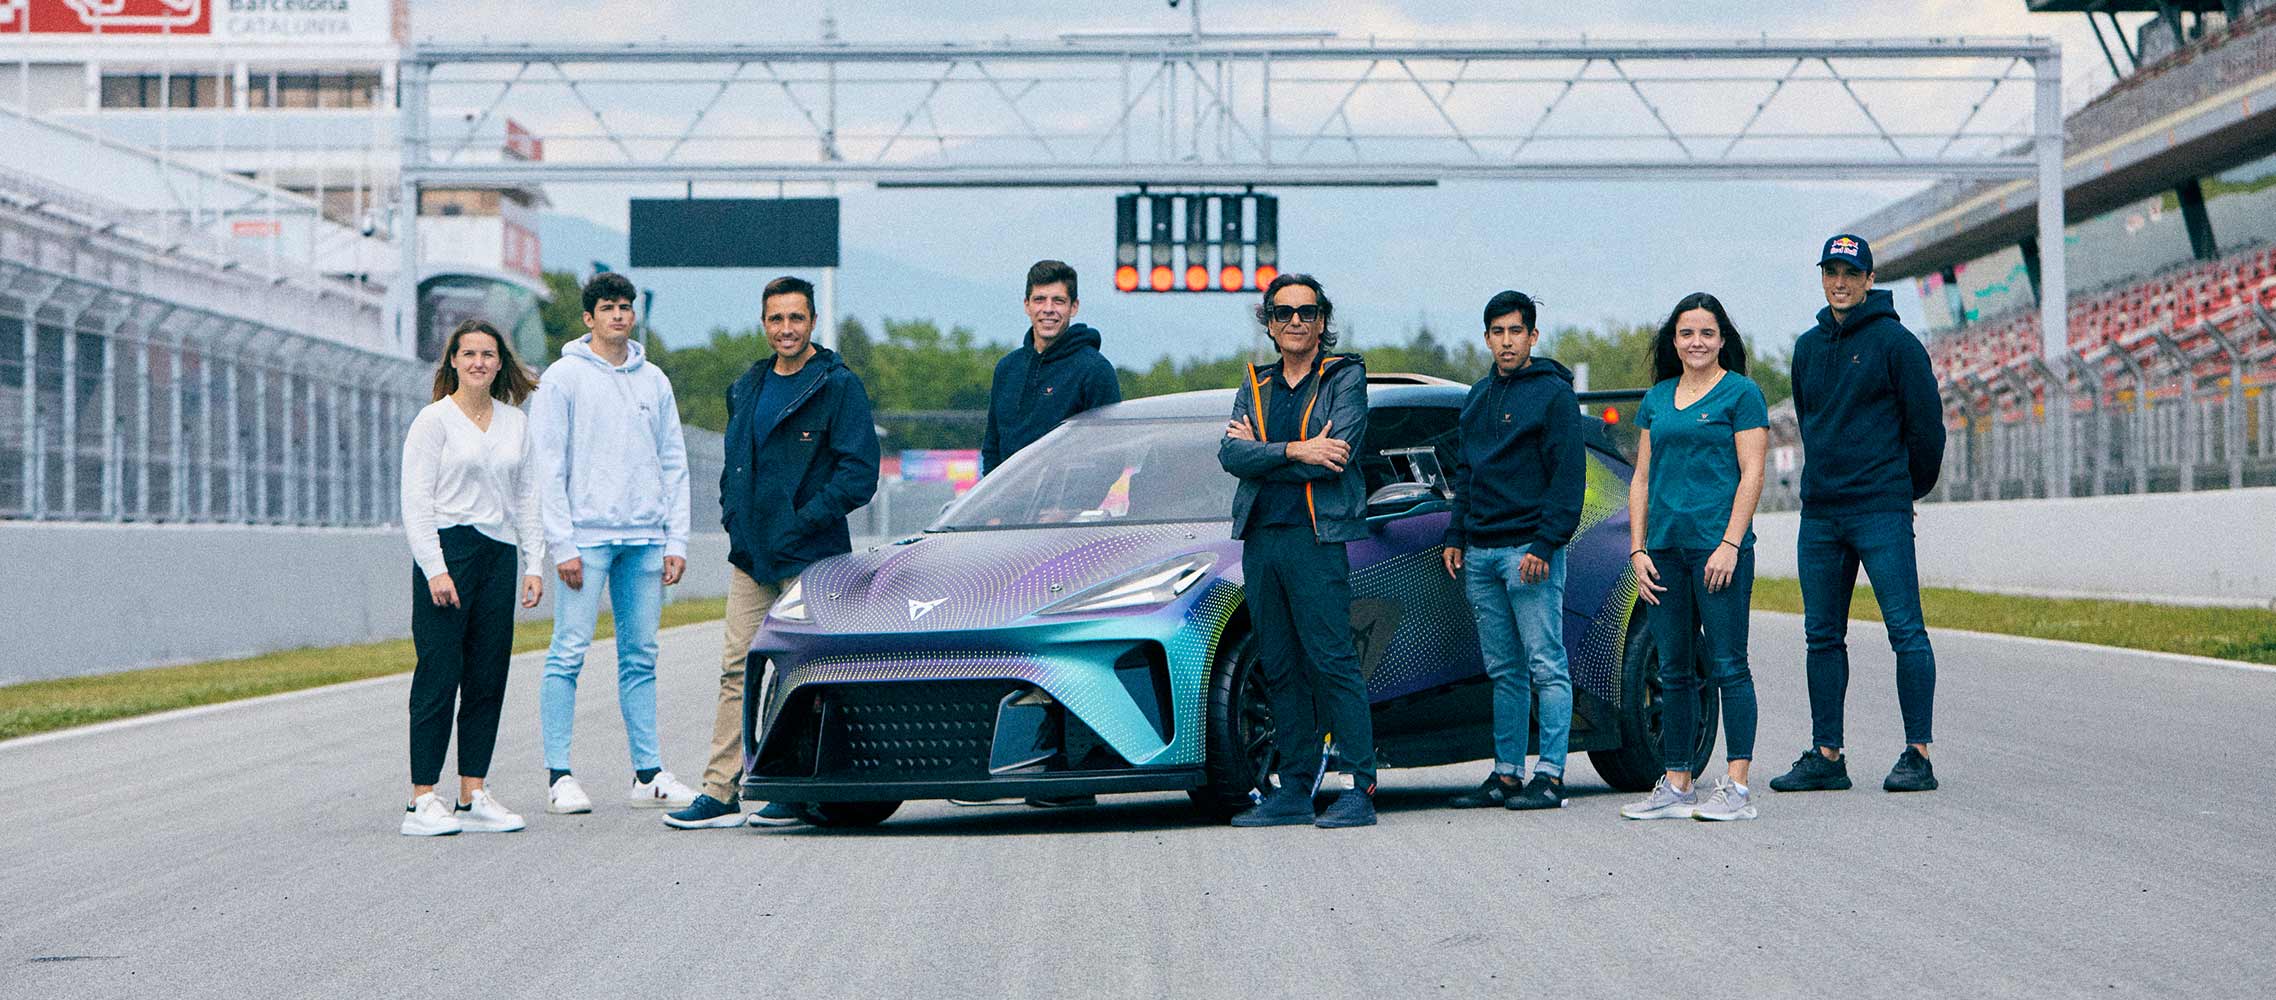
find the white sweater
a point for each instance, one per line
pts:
(455, 473)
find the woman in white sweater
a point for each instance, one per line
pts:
(469, 500)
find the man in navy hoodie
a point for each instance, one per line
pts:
(1056, 372)
(801, 454)
(1872, 442)
(1519, 475)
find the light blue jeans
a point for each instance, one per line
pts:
(635, 577)
(1521, 631)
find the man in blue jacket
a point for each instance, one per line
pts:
(1292, 441)
(1872, 443)
(1055, 373)
(1519, 476)
(801, 454)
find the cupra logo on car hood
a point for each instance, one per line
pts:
(984, 579)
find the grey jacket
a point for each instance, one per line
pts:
(1338, 499)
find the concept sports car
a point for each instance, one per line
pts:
(1074, 625)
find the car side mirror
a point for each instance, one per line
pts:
(1398, 498)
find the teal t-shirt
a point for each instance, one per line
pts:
(1695, 463)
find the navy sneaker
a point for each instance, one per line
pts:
(705, 813)
(1543, 792)
(1912, 774)
(1352, 807)
(776, 814)
(1493, 792)
(1814, 773)
(1288, 805)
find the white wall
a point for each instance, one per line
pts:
(2216, 547)
(94, 598)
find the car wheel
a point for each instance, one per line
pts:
(845, 815)
(1636, 763)
(1241, 756)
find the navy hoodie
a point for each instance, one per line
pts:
(788, 483)
(1033, 392)
(1872, 420)
(1519, 470)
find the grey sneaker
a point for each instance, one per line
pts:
(1727, 802)
(1664, 803)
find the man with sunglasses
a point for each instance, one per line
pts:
(1292, 441)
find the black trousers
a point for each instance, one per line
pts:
(463, 652)
(1299, 596)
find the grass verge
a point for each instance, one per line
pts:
(2247, 634)
(40, 706)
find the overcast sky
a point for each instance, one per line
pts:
(1594, 251)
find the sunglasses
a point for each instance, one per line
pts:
(1283, 314)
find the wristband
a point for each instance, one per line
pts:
(1636, 553)
(1730, 543)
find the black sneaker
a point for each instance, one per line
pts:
(1492, 792)
(1912, 774)
(1288, 805)
(1543, 792)
(1814, 773)
(1352, 807)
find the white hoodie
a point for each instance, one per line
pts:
(612, 464)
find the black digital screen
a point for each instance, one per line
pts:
(734, 232)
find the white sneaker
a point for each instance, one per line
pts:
(486, 815)
(429, 816)
(665, 791)
(567, 796)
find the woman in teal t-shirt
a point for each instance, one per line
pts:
(1690, 507)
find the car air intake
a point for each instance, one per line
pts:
(909, 730)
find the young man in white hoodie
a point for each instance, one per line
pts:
(614, 497)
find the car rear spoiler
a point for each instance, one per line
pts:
(1612, 406)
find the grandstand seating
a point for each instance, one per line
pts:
(2181, 302)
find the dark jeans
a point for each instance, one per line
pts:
(463, 652)
(1828, 554)
(1690, 619)
(1299, 595)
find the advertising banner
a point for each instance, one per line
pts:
(256, 22)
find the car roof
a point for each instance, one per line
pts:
(1396, 390)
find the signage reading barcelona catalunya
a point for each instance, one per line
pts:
(218, 21)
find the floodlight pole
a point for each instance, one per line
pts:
(411, 87)
(2054, 278)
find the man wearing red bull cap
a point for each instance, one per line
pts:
(1872, 443)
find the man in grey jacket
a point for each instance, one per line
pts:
(1291, 440)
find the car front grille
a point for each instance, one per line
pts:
(909, 730)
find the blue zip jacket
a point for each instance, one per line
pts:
(1520, 464)
(786, 487)
(1033, 393)
(1872, 420)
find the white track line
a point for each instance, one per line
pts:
(268, 699)
(2202, 661)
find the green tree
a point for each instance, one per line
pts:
(564, 317)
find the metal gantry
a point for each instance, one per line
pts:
(1228, 111)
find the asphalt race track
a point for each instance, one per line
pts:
(2103, 830)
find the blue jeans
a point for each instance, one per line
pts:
(1687, 620)
(1521, 632)
(1827, 555)
(635, 577)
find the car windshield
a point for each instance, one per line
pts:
(1104, 472)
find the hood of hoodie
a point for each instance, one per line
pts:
(1071, 341)
(1879, 304)
(582, 348)
(1539, 367)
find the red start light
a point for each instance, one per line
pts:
(1126, 278)
(1161, 277)
(1612, 414)
(1229, 279)
(1196, 278)
(1265, 274)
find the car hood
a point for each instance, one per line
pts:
(984, 579)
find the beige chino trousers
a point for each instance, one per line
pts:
(748, 601)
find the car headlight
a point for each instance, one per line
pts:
(1157, 584)
(791, 606)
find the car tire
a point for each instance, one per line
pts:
(845, 815)
(1236, 763)
(1636, 763)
